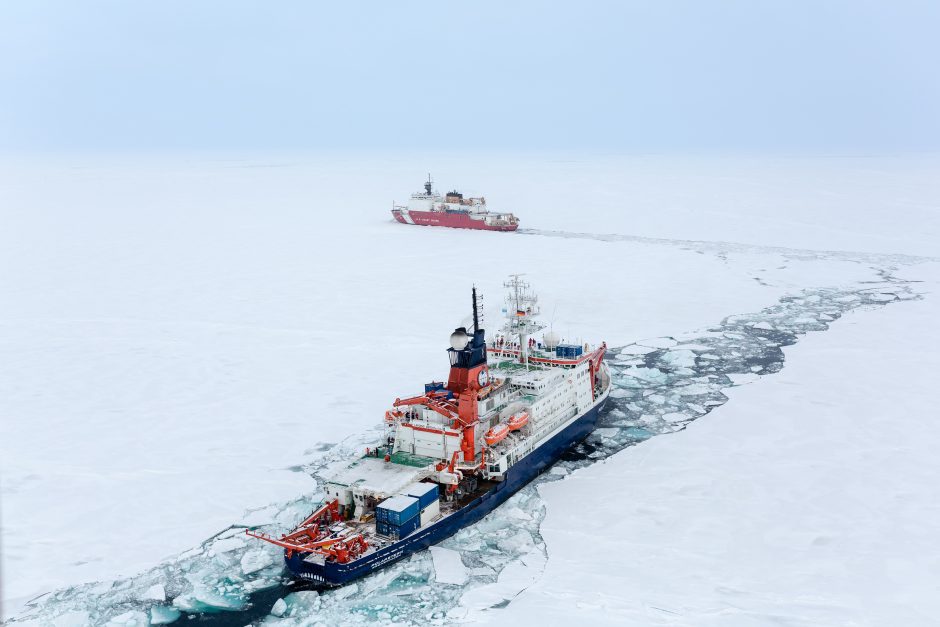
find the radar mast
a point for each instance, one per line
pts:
(522, 307)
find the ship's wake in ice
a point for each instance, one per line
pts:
(660, 385)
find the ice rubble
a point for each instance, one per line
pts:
(487, 564)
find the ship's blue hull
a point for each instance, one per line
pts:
(517, 476)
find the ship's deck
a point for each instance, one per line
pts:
(406, 459)
(376, 475)
(483, 486)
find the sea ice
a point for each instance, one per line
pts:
(636, 349)
(155, 592)
(679, 358)
(133, 618)
(163, 615)
(515, 542)
(348, 590)
(648, 375)
(695, 389)
(254, 560)
(448, 567)
(279, 608)
(694, 347)
(202, 599)
(305, 602)
(659, 342)
(741, 378)
(278, 339)
(72, 618)
(675, 417)
(225, 545)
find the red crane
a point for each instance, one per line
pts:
(313, 535)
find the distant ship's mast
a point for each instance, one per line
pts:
(522, 306)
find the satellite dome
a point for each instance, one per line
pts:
(459, 339)
(551, 340)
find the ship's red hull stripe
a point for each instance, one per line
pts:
(453, 220)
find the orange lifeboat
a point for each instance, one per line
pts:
(518, 421)
(496, 435)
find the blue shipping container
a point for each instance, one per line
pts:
(397, 532)
(397, 510)
(426, 493)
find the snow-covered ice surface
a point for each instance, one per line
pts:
(179, 362)
(811, 498)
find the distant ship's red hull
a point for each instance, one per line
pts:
(451, 219)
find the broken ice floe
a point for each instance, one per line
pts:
(448, 567)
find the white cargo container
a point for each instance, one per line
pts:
(431, 513)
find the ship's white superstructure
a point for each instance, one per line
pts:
(523, 376)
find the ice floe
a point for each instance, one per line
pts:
(448, 567)
(635, 349)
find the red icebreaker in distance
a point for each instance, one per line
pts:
(453, 210)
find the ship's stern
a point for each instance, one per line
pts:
(315, 572)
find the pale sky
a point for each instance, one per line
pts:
(659, 75)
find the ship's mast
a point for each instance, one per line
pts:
(477, 309)
(522, 306)
(427, 186)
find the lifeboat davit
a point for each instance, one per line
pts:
(518, 421)
(496, 435)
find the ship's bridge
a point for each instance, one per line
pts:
(536, 381)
